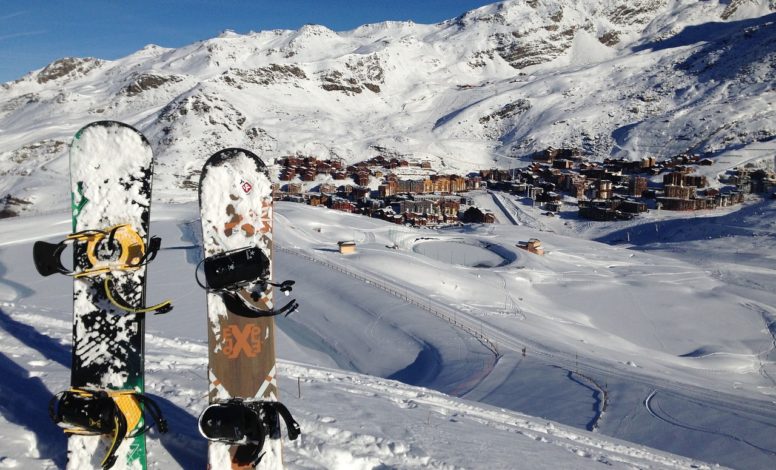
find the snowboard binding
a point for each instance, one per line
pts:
(246, 424)
(114, 413)
(117, 248)
(246, 270)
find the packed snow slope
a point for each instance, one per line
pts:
(654, 342)
(659, 331)
(346, 326)
(627, 78)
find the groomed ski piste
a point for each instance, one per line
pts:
(449, 348)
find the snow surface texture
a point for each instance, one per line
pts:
(397, 313)
(618, 78)
(349, 420)
(658, 331)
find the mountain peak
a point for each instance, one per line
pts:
(610, 77)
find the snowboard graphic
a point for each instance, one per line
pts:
(110, 182)
(242, 421)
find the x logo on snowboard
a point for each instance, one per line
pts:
(237, 341)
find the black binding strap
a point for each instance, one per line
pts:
(47, 258)
(120, 423)
(227, 272)
(246, 425)
(90, 412)
(294, 430)
(150, 253)
(235, 304)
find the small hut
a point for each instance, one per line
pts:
(532, 246)
(347, 247)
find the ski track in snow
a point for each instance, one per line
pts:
(657, 412)
(40, 333)
(325, 443)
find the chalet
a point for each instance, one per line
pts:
(637, 186)
(417, 207)
(362, 178)
(287, 174)
(441, 184)
(345, 190)
(632, 207)
(323, 167)
(602, 210)
(679, 192)
(318, 199)
(675, 204)
(328, 188)
(347, 247)
(548, 196)
(291, 162)
(343, 205)
(532, 246)
(360, 193)
(473, 182)
(604, 189)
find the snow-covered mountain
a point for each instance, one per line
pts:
(663, 335)
(612, 77)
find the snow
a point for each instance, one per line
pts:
(677, 378)
(647, 343)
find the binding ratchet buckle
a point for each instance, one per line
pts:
(245, 270)
(118, 248)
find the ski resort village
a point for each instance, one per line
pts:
(417, 194)
(537, 234)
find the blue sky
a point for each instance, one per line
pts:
(34, 33)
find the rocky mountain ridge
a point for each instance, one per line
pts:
(611, 77)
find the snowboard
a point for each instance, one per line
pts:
(235, 197)
(111, 167)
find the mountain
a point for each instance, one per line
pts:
(437, 347)
(611, 77)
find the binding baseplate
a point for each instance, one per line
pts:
(118, 248)
(246, 424)
(114, 413)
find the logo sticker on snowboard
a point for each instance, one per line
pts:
(246, 186)
(241, 341)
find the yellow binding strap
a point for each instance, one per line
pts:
(161, 307)
(120, 430)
